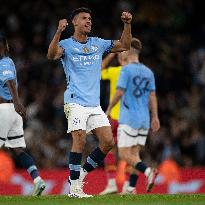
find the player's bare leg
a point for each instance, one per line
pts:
(28, 163)
(130, 186)
(115, 170)
(76, 185)
(125, 153)
(106, 143)
(79, 140)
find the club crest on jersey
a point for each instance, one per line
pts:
(85, 50)
(94, 48)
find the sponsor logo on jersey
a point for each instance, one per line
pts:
(86, 60)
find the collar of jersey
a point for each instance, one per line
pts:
(78, 41)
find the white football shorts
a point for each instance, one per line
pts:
(84, 118)
(128, 136)
(11, 127)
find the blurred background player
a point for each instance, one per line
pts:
(136, 89)
(11, 113)
(81, 57)
(115, 171)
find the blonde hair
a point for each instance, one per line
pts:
(136, 44)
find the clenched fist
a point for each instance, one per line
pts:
(62, 25)
(126, 17)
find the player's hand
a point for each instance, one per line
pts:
(20, 109)
(155, 124)
(126, 17)
(63, 23)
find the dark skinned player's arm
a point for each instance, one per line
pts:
(14, 93)
(107, 60)
(54, 50)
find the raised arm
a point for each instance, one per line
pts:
(117, 96)
(125, 41)
(155, 124)
(54, 50)
(107, 60)
(14, 93)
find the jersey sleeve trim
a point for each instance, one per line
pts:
(110, 47)
(7, 79)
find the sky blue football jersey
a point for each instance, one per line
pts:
(137, 81)
(82, 67)
(7, 72)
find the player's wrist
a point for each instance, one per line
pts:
(59, 31)
(154, 116)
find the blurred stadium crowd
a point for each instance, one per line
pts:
(172, 33)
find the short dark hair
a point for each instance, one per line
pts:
(136, 44)
(79, 10)
(3, 40)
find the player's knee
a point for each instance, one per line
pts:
(78, 135)
(79, 139)
(109, 144)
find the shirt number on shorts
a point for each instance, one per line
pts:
(76, 121)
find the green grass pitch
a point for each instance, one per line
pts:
(180, 199)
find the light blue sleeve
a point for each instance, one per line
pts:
(107, 45)
(152, 86)
(6, 72)
(123, 79)
(62, 44)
